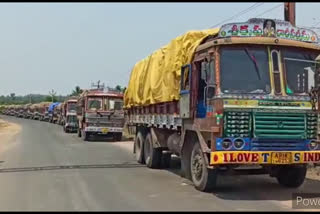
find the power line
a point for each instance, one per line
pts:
(270, 9)
(240, 13)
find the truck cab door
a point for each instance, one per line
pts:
(185, 86)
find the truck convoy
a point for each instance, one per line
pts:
(100, 113)
(239, 99)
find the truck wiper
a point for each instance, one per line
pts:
(253, 59)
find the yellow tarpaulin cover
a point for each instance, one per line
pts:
(156, 78)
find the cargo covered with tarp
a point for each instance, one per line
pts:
(156, 79)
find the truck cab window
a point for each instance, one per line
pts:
(201, 108)
(111, 104)
(94, 104)
(71, 107)
(276, 71)
(300, 71)
(185, 80)
(250, 66)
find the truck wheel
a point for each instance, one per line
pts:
(138, 143)
(117, 136)
(166, 160)
(152, 155)
(204, 179)
(84, 136)
(292, 176)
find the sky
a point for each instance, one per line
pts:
(58, 46)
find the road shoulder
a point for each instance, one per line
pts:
(8, 131)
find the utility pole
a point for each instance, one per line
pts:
(290, 12)
(52, 93)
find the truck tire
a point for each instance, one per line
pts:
(79, 132)
(152, 156)
(117, 136)
(166, 160)
(138, 143)
(204, 179)
(84, 136)
(292, 176)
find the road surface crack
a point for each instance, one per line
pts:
(42, 168)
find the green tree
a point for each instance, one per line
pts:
(49, 99)
(13, 96)
(77, 91)
(120, 89)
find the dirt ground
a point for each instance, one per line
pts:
(7, 132)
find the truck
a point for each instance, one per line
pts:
(58, 112)
(30, 111)
(239, 99)
(20, 111)
(26, 110)
(69, 115)
(100, 113)
(43, 110)
(36, 112)
(52, 113)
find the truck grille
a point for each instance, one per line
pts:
(237, 124)
(102, 122)
(271, 125)
(277, 145)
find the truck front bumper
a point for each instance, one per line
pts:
(71, 128)
(265, 157)
(103, 130)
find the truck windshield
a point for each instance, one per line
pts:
(300, 70)
(72, 107)
(245, 70)
(72, 119)
(113, 104)
(94, 104)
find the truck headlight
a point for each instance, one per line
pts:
(238, 143)
(226, 144)
(313, 145)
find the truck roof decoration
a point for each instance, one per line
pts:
(268, 28)
(94, 92)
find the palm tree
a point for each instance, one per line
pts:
(118, 88)
(77, 91)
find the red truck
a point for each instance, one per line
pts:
(100, 113)
(69, 115)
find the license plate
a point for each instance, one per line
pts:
(281, 158)
(104, 130)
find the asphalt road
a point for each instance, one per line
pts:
(44, 168)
